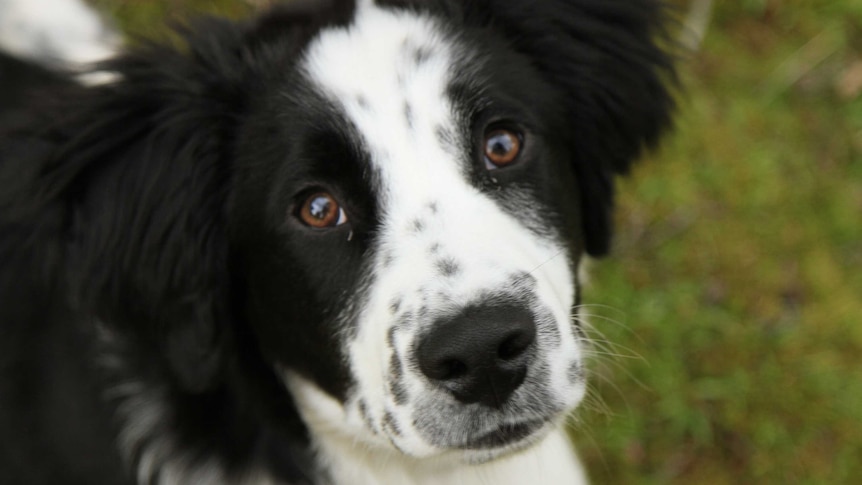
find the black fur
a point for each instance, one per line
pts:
(137, 222)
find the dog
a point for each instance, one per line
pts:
(337, 243)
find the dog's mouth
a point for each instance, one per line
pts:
(506, 435)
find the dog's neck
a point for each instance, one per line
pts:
(551, 461)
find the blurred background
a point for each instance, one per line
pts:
(728, 321)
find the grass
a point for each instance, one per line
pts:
(738, 266)
(733, 300)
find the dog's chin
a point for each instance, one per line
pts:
(507, 439)
(487, 445)
(504, 436)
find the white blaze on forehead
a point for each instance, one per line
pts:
(389, 72)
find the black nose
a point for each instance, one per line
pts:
(480, 355)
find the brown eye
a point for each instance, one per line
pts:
(502, 148)
(321, 210)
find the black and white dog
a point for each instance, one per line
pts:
(338, 243)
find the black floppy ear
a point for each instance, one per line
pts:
(607, 60)
(141, 171)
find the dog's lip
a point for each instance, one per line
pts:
(504, 435)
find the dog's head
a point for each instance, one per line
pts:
(401, 193)
(420, 190)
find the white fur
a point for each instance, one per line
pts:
(62, 34)
(55, 31)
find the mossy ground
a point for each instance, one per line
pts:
(734, 296)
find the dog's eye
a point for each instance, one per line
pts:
(502, 147)
(320, 210)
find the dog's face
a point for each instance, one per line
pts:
(422, 234)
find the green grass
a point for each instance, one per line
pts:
(151, 18)
(733, 299)
(737, 274)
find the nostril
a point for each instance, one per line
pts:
(514, 345)
(453, 369)
(445, 369)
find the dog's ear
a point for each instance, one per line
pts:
(608, 60)
(141, 175)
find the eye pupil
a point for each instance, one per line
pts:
(321, 210)
(502, 147)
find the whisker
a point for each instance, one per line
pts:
(582, 428)
(606, 356)
(553, 257)
(613, 349)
